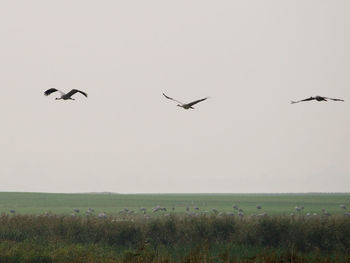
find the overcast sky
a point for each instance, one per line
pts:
(251, 57)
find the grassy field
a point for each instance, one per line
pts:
(32, 235)
(272, 204)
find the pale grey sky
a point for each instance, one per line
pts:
(251, 56)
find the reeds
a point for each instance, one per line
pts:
(52, 238)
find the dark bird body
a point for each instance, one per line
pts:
(64, 96)
(317, 98)
(186, 106)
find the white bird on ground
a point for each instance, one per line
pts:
(186, 106)
(318, 98)
(90, 210)
(102, 215)
(158, 208)
(64, 96)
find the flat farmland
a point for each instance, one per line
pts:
(112, 204)
(41, 229)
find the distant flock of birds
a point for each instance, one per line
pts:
(240, 212)
(186, 106)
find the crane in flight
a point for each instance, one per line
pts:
(64, 96)
(185, 106)
(318, 98)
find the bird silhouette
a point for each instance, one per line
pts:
(186, 106)
(64, 96)
(318, 98)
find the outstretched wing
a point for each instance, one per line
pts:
(334, 99)
(195, 102)
(172, 99)
(311, 98)
(52, 90)
(73, 91)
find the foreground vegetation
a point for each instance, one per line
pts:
(205, 238)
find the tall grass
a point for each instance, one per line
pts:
(55, 238)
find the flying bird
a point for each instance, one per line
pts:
(318, 98)
(64, 96)
(186, 106)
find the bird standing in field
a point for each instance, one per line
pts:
(318, 98)
(186, 106)
(64, 96)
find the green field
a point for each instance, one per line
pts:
(43, 230)
(111, 204)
